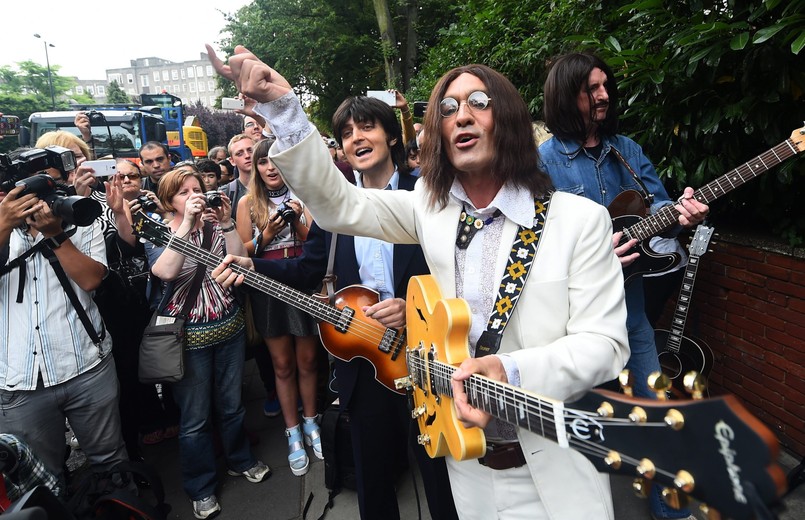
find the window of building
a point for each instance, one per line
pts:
(156, 75)
(144, 80)
(201, 87)
(101, 90)
(90, 90)
(191, 72)
(176, 88)
(184, 87)
(79, 89)
(211, 85)
(192, 87)
(209, 70)
(165, 76)
(200, 71)
(130, 79)
(174, 74)
(183, 74)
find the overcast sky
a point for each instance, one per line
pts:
(91, 37)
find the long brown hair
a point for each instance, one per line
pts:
(258, 192)
(516, 159)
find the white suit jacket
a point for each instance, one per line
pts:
(568, 331)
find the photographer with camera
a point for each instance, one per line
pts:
(57, 363)
(272, 224)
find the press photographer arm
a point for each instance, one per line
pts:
(80, 268)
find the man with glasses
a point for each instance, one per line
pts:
(567, 332)
(155, 162)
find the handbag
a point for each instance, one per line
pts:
(161, 357)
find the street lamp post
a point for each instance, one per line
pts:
(50, 76)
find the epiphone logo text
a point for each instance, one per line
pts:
(724, 435)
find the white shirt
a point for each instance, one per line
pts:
(43, 334)
(376, 257)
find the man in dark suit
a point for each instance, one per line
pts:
(380, 423)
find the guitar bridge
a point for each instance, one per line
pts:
(344, 319)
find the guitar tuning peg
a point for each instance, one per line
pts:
(640, 487)
(695, 384)
(659, 383)
(626, 380)
(674, 498)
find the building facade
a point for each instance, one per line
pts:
(190, 80)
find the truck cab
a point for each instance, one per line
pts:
(118, 131)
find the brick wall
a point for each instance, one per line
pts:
(748, 305)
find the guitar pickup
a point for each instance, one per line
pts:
(387, 343)
(344, 320)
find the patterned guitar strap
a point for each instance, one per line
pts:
(522, 255)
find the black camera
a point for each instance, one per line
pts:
(286, 212)
(33, 161)
(214, 199)
(63, 202)
(73, 209)
(148, 205)
(96, 118)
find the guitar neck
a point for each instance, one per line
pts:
(667, 216)
(284, 293)
(544, 417)
(675, 333)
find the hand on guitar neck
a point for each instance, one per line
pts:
(489, 366)
(691, 211)
(225, 276)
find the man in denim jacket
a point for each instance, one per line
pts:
(587, 157)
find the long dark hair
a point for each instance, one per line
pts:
(362, 109)
(567, 77)
(516, 158)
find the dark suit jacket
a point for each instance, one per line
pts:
(306, 273)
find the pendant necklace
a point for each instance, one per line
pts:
(468, 226)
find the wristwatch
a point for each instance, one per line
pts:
(56, 241)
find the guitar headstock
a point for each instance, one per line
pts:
(798, 138)
(713, 449)
(700, 241)
(150, 229)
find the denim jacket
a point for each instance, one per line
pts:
(574, 170)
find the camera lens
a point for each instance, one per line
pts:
(214, 199)
(286, 212)
(148, 205)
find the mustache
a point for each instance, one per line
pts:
(603, 104)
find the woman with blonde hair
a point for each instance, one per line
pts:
(272, 225)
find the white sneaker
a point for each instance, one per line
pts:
(257, 473)
(206, 507)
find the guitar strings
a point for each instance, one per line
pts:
(541, 408)
(666, 216)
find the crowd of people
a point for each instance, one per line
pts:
(382, 200)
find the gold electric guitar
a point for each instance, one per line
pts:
(711, 449)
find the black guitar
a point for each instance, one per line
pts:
(628, 209)
(679, 354)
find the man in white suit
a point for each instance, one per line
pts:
(566, 335)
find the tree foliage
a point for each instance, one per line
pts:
(115, 94)
(331, 49)
(705, 84)
(219, 125)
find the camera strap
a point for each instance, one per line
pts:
(70, 292)
(20, 262)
